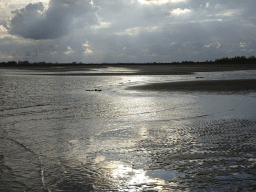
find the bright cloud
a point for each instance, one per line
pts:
(179, 11)
(69, 50)
(215, 45)
(230, 13)
(243, 45)
(2, 29)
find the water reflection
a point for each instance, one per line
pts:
(127, 178)
(132, 179)
(112, 70)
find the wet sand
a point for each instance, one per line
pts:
(59, 137)
(205, 86)
(134, 69)
(185, 69)
(155, 69)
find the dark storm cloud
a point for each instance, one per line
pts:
(59, 19)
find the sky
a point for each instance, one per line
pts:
(121, 31)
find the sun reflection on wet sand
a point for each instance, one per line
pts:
(127, 178)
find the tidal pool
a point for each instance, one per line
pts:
(56, 136)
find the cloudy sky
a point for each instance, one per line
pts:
(97, 31)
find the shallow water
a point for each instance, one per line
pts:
(56, 136)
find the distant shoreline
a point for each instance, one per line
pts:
(137, 69)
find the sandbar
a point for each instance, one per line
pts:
(202, 86)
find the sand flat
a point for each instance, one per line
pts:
(202, 85)
(132, 69)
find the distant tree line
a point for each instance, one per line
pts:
(235, 60)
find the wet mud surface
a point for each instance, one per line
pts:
(218, 86)
(215, 156)
(130, 69)
(204, 156)
(57, 136)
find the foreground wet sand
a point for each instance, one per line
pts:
(57, 136)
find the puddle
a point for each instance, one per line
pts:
(223, 177)
(129, 179)
(165, 175)
(242, 175)
(126, 171)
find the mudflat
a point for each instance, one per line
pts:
(64, 134)
(155, 69)
(180, 69)
(205, 86)
(136, 69)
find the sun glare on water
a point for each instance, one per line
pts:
(136, 179)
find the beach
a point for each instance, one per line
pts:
(119, 127)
